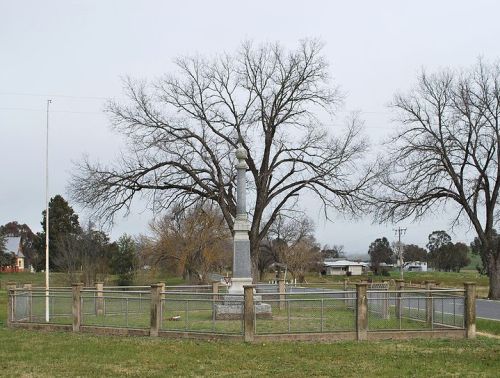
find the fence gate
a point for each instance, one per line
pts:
(378, 301)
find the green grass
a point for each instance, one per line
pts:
(61, 279)
(450, 279)
(488, 326)
(65, 354)
(44, 354)
(442, 279)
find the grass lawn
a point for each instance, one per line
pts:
(44, 354)
(488, 326)
(65, 354)
(442, 279)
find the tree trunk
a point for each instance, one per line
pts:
(254, 250)
(494, 273)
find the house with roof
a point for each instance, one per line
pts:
(13, 245)
(334, 267)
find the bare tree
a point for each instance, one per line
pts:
(183, 130)
(294, 245)
(85, 256)
(192, 242)
(333, 252)
(447, 152)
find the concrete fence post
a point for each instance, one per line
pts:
(162, 289)
(470, 310)
(361, 311)
(282, 293)
(400, 284)
(76, 289)
(248, 313)
(155, 318)
(29, 300)
(11, 302)
(215, 291)
(429, 303)
(385, 301)
(99, 301)
(345, 287)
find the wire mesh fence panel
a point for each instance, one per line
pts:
(448, 310)
(190, 312)
(395, 311)
(22, 301)
(414, 306)
(304, 315)
(34, 304)
(306, 312)
(130, 310)
(414, 310)
(378, 304)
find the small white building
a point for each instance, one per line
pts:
(13, 245)
(343, 268)
(415, 266)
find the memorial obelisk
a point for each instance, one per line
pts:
(242, 267)
(232, 306)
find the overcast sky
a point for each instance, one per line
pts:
(75, 52)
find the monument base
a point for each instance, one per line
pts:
(233, 307)
(237, 284)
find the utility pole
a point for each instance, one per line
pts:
(47, 284)
(400, 231)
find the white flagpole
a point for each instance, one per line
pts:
(47, 285)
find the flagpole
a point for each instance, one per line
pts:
(47, 284)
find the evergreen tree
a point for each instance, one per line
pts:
(124, 260)
(63, 223)
(380, 252)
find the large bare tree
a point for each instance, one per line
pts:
(183, 130)
(447, 152)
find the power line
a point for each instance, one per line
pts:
(52, 111)
(53, 95)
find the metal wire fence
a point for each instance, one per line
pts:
(197, 312)
(203, 310)
(307, 311)
(30, 306)
(115, 308)
(415, 309)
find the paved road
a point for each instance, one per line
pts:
(485, 309)
(488, 309)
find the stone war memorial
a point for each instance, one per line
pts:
(233, 305)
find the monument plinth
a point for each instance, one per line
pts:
(242, 266)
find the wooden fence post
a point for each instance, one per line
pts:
(400, 284)
(155, 317)
(248, 314)
(99, 301)
(470, 310)
(429, 303)
(361, 311)
(76, 289)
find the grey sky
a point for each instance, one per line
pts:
(75, 52)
